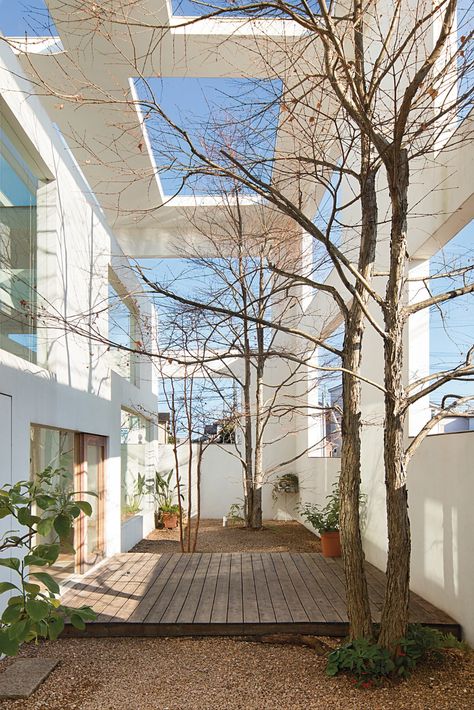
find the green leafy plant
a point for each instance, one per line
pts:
(369, 664)
(324, 519)
(162, 490)
(171, 509)
(236, 513)
(41, 507)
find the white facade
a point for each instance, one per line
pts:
(73, 386)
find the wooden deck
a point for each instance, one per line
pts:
(144, 594)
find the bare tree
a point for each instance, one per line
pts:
(237, 309)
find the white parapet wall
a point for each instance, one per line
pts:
(441, 495)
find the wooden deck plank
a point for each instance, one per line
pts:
(133, 591)
(165, 567)
(249, 594)
(206, 601)
(168, 590)
(316, 586)
(266, 612)
(191, 603)
(221, 598)
(234, 608)
(280, 607)
(181, 594)
(176, 594)
(302, 586)
(295, 606)
(332, 588)
(96, 587)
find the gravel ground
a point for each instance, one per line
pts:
(224, 673)
(204, 674)
(276, 536)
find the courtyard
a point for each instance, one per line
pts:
(274, 670)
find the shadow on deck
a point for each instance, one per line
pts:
(209, 594)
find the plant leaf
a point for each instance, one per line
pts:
(77, 622)
(48, 581)
(11, 563)
(6, 587)
(62, 525)
(56, 625)
(8, 646)
(85, 507)
(45, 526)
(37, 609)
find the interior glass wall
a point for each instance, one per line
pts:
(18, 250)
(136, 462)
(123, 331)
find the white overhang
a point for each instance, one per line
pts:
(87, 89)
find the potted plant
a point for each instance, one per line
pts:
(287, 483)
(164, 493)
(325, 520)
(169, 515)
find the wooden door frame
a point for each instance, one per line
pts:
(81, 443)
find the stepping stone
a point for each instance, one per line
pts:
(22, 678)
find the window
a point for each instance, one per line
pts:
(18, 249)
(136, 462)
(325, 400)
(451, 330)
(123, 331)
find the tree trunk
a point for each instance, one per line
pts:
(248, 444)
(257, 513)
(357, 598)
(258, 473)
(395, 608)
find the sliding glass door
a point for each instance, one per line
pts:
(79, 464)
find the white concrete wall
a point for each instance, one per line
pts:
(441, 495)
(221, 478)
(222, 483)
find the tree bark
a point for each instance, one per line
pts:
(395, 608)
(357, 598)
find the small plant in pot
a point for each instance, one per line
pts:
(163, 491)
(325, 520)
(287, 483)
(169, 516)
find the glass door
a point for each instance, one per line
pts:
(92, 453)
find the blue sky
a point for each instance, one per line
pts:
(215, 112)
(452, 331)
(20, 16)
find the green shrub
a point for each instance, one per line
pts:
(40, 507)
(369, 664)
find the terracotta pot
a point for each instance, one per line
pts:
(331, 544)
(170, 520)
